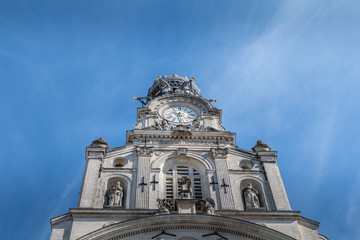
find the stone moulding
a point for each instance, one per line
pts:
(205, 223)
(171, 137)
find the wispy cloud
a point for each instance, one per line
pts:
(59, 204)
(352, 206)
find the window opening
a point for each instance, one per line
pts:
(172, 176)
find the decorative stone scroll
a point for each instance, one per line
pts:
(115, 196)
(145, 151)
(219, 152)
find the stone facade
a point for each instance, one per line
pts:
(181, 176)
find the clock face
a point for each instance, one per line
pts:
(179, 114)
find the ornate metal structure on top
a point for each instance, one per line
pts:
(171, 85)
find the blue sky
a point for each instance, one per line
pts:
(286, 72)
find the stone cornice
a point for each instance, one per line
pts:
(145, 213)
(88, 212)
(61, 218)
(222, 137)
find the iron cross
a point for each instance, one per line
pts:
(154, 182)
(142, 184)
(224, 185)
(213, 183)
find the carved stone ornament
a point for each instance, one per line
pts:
(185, 188)
(260, 147)
(219, 152)
(115, 195)
(251, 198)
(246, 164)
(193, 126)
(182, 151)
(100, 143)
(144, 151)
(207, 206)
(163, 125)
(165, 206)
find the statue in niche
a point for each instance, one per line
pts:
(185, 188)
(207, 206)
(116, 194)
(251, 197)
(165, 206)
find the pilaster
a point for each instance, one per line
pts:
(268, 160)
(224, 185)
(143, 176)
(94, 157)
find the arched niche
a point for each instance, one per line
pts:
(107, 182)
(258, 186)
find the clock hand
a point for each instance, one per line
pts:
(178, 117)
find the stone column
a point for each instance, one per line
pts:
(268, 160)
(94, 156)
(142, 179)
(222, 174)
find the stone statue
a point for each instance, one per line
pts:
(165, 206)
(196, 125)
(185, 188)
(116, 194)
(163, 125)
(207, 206)
(251, 197)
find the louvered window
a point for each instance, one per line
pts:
(172, 176)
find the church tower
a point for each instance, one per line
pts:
(181, 176)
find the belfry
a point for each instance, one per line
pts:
(180, 176)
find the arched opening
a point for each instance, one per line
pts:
(181, 166)
(175, 173)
